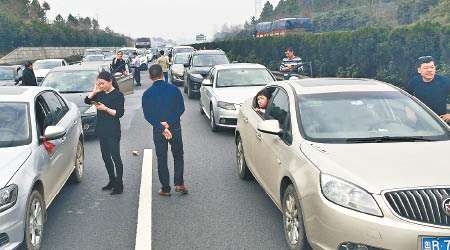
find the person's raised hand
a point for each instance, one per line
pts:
(446, 117)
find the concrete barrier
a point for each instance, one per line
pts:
(23, 54)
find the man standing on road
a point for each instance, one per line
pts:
(164, 62)
(118, 64)
(431, 89)
(289, 62)
(136, 66)
(163, 106)
(28, 78)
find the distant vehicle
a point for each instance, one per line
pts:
(226, 87)
(31, 173)
(10, 75)
(74, 82)
(89, 52)
(93, 58)
(154, 52)
(181, 49)
(42, 67)
(200, 62)
(177, 68)
(283, 27)
(143, 43)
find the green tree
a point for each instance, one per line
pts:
(267, 11)
(59, 20)
(95, 24)
(72, 20)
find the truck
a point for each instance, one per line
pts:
(143, 43)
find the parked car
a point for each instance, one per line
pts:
(226, 87)
(200, 62)
(155, 53)
(10, 75)
(351, 163)
(93, 58)
(128, 57)
(177, 68)
(75, 82)
(181, 49)
(42, 67)
(89, 52)
(32, 172)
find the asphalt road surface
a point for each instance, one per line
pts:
(220, 212)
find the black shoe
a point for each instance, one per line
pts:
(118, 188)
(109, 186)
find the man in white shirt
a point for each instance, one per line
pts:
(136, 64)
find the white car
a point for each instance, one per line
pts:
(42, 67)
(351, 163)
(177, 68)
(226, 87)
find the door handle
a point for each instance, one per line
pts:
(245, 119)
(63, 139)
(258, 136)
(75, 122)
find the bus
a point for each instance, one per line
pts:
(143, 43)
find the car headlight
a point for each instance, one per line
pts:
(348, 195)
(197, 77)
(8, 196)
(91, 110)
(226, 105)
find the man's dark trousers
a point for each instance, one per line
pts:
(161, 146)
(137, 76)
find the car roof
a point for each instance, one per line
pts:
(127, 48)
(51, 60)
(212, 52)
(77, 67)
(10, 67)
(336, 85)
(183, 47)
(92, 49)
(20, 93)
(240, 66)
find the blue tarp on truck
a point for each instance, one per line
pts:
(292, 24)
(263, 27)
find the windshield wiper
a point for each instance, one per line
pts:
(387, 139)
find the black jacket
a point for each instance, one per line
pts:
(28, 78)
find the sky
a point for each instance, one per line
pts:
(179, 20)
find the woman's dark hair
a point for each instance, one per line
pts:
(105, 75)
(264, 92)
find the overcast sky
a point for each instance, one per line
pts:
(179, 20)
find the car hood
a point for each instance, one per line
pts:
(236, 94)
(41, 72)
(12, 159)
(177, 68)
(7, 82)
(78, 99)
(382, 166)
(200, 70)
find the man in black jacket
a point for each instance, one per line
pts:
(28, 78)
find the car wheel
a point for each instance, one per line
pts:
(191, 94)
(77, 174)
(243, 171)
(294, 229)
(34, 224)
(213, 124)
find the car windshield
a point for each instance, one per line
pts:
(183, 50)
(108, 53)
(6, 74)
(71, 81)
(209, 60)
(14, 124)
(243, 77)
(128, 52)
(181, 59)
(92, 52)
(46, 64)
(358, 116)
(96, 58)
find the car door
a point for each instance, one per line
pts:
(207, 92)
(126, 83)
(268, 151)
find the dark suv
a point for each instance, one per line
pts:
(200, 62)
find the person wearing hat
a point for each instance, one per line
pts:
(431, 89)
(28, 77)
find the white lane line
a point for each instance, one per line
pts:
(144, 222)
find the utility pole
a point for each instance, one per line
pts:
(258, 8)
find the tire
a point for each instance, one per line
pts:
(294, 229)
(214, 127)
(77, 174)
(202, 112)
(34, 222)
(243, 171)
(191, 95)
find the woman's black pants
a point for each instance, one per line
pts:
(110, 147)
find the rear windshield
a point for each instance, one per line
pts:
(209, 60)
(14, 124)
(71, 81)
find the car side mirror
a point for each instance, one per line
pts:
(54, 132)
(270, 127)
(186, 65)
(235, 61)
(207, 82)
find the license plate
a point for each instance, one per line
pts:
(435, 243)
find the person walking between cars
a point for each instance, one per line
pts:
(164, 62)
(163, 106)
(289, 62)
(136, 64)
(28, 77)
(432, 89)
(109, 102)
(118, 64)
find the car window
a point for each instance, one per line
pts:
(243, 77)
(71, 81)
(56, 110)
(14, 124)
(42, 111)
(279, 110)
(209, 60)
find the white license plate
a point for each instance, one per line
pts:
(436, 243)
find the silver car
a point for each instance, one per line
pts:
(177, 68)
(351, 163)
(41, 146)
(226, 87)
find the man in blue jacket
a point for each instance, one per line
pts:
(163, 106)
